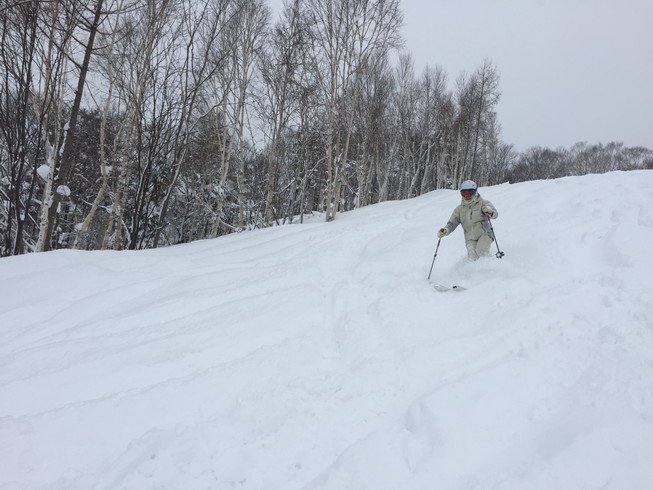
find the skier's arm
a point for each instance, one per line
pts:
(454, 221)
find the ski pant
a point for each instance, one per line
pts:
(478, 248)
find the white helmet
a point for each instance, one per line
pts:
(469, 185)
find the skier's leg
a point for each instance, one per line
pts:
(471, 245)
(483, 246)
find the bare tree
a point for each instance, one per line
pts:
(21, 126)
(226, 98)
(373, 131)
(433, 127)
(279, 66)
(135, 67)
(406, 107)
(346, 34)
(502, 159)
(86, 18)
(106, 53)
(203, 30)
(249, 21)
(485, 129)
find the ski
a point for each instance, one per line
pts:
(442, 289)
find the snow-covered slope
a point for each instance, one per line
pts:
(317, 356)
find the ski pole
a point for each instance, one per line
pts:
(499, 253)
(434, 256)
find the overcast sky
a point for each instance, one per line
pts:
(571, 70)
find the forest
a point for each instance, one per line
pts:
(134, 124)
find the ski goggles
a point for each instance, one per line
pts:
(468, 193)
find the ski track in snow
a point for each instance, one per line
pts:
(317, 356)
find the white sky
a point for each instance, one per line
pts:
(571, 70)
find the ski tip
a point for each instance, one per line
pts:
(442, 289)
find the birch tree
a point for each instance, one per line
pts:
(134, 67)
(475, 126)
(485, 128)
(87, 19)
(279, 68)
(406, 101)
(374, 133)
(105, 54)
(433, 127)
(346, 34)
(226, 100)
(250, 19)
(203, 29)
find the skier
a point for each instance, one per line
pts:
(474, 214)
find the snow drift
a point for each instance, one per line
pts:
(317, 356)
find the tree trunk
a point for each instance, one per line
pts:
(63, 176)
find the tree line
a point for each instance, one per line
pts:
(582, 158)
(131, 124)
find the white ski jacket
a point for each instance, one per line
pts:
(470, 215)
